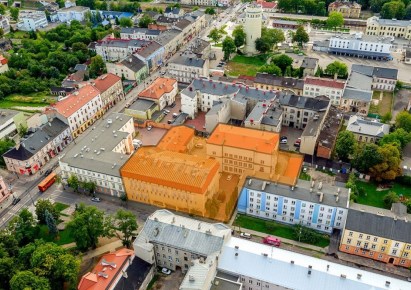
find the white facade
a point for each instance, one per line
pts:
(68, 14)
(115, 50)
(252, 26)
(333, 89)
(32, 20)
(138, 33)
(185, 72)
(199, 2)
(356, 42)
(4, 24)
(85, 112)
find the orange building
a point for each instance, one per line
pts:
(252, 152)
(162, 91)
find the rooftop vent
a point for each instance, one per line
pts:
(343, 276)
(292, 262)
(102, 274)
(104, 262)
(387, 283)
(359, 276)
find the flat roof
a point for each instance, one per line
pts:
(142, 105)
(276, 268)
(177, 139)
(6, 114)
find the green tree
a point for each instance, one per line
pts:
(87, 225)
(271, 69)
(337, 68)
(301, 36)
(228, 47)
(7, 270)
(403, 120)
(1, 32)
(51, 223)
(27, 280)
(5, 145)
(14, 12)
(97, 66)
(24, 227)
(145, 20)
(366, 156)
(272, 36)
(126, 223)
(389, 167)
(125, 22)
(390, 198)
(239, 36)
(282, 61)
(210, 11)
(215, 35)
(43, 205)
(407, 16)
(345, 145)
(2, 9)
(335, 20)
(90, 186)
(399, 137)
(73, 182)
(262, 45)
(393, 9)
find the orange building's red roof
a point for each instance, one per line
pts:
(93, 281)
(171, 169)
(75, 101)
(244, 138)
(158, 88)
(104, 82)
(177, 139)
(3, 60)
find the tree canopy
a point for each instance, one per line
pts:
(301, 36)
(239, 36)
(337, 68)
(228, 47)
(389, 167)
(145, 20)
(126, 223)
(403, 121)
(282, 61)
(43, 205)
(271, 69)
(345, 145)
(335, 20)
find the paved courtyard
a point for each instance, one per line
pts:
(151, 137)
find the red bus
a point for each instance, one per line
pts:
(47, 182)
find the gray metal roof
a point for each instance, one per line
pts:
(302, 191)
(168, 36)
(359, 95)
(392, 22)
(309, 62)
(363, 126)
(319, 103)
(6, 115)
(359, 81)
(189, 61)
(198, 275)
(383, 224)
(142, 105)
(94, 152)
(135, 30)
(149, 49)
(133, 63)
(269, 79)
(313, 126)
(379, 72)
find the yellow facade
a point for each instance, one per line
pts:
(397, 28)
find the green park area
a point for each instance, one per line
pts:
(246, 65)
(384, 100)
(281, 230)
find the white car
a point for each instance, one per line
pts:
(149, 128)
(96, 199)
(245, 236)
(137, 143)
(166, 271)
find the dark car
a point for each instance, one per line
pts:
(48, 171)
(172, 105)
(15, 201)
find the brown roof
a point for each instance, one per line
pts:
(244, 138)
(171, 169)
(331, 83)
(158, 88)
(104, 82)
(75, 101)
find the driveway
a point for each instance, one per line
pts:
(292, 135)
(169, 282)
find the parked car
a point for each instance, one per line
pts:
(172, 105)
(166, 271)
(283, 140)
(175, 115)
(272, 241)
(96, 199)
(48, 171)
(149, 128)
(137, 143)
(166, 111)
(15, 201)
(297, 142)
(170, 121)
(245, 236)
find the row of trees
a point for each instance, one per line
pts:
(310, 7)
(334, 69)
(399, 9)
(382, 160)
(281, 65)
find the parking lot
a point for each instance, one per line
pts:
(292, 135)
(151, 137)
(175, 109)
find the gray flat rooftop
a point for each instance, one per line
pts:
(6, 115)
(312, 126)
(221, 284)
(142, 105)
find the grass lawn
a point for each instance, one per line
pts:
(246, 65)
(375, 198)
(305, 176)
(40, 99)
(64, 236)
(272, 228)
(384, 105)
(60, 206)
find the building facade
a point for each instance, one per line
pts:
(388, 27)
(32, 153)
(346, 8)
(68, 14)
(162, 91)
(10, 121)
(131, 68)
(30, 20)
(118, 49)
(378, 234)
(333, 89)
(368, 131)
(80, 109)
(152, 54)
(266, 81)
(317, 206)
(111, 89)
(139, 33)
(6, 197)
(99, 156)
(186, 68)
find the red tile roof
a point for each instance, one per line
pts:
(104, 82)
(158, 88)
(324, 82)
(75, 101)
(93, 281)
(3, 60)
(268, 5)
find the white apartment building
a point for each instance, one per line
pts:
(68, 14)
(171, 241)
(99, 156)
(186, 68)
(139, 33)
(333, 89)
(298, 110)
(118, 49)
(314, 205)
(4, 24)
(368, 46)
(33, 152)
(80, 109)
(388, 27)
(30, 20)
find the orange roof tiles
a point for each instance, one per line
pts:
(171, 169)
(75, 101)
(158, 88)
(104, 82)
(3, 60)
(93, 281)
(244, 138)
(177, 139)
